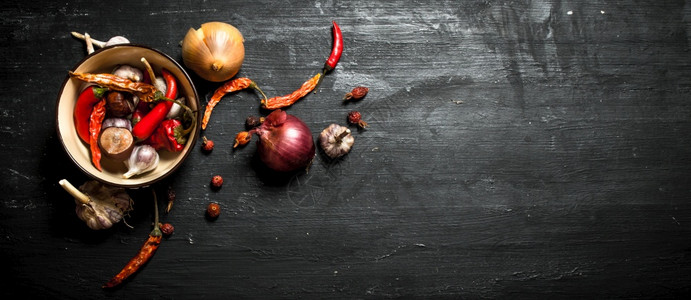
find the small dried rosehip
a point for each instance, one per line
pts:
(167, 229)
(357, 93)
(354, 117)
(242, 138)
(253, 121)
(213, 210)
(207, 145)
(171, 199)
(216, 181)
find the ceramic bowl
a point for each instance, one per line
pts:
(104, 61)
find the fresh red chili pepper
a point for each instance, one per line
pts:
(169, 135)
(95, 123)
(139, 112)
(146, 126)
(336, 50)
(82, 110)
(143, 256)
(287, 100)
(230, 86)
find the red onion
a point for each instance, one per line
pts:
(285, 142)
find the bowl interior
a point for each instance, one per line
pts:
(105, 61)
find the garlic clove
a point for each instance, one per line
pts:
(144, 158)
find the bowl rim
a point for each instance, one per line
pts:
(192, 140)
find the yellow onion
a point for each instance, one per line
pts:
(215, 51)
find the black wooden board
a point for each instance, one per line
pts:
(516, 149)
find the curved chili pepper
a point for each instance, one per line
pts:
(143, 256)
(82, 110)
(336, 50)
(287, 100)
(230, 86)
(146, 126)
(146, 92)
(95, 123)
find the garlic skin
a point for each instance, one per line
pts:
(144, 158)
(336, 140)
(106, 205)
(117, 40)
(215, 51)
(129, 72)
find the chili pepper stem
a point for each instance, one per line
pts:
(256, 87)
(186, 108)
(149, 69)
(157, 230)
(76, 193)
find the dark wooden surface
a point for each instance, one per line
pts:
(516, 149)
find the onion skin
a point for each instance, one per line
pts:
(285, 142)
(215, 51)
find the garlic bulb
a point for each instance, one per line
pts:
(215, 51)
(336, 140)
(129, 72)
(100, 206)
(144, 158)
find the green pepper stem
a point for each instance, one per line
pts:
(157, 229)
(254, 86)
(187, 109)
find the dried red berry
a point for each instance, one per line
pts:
(213, 210)
(207, 145)
(216, 181)
(354, 117)
(357, 93)
(167, 229)
(253, 121)
(171, 199)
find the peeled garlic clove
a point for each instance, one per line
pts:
(144, 158)
(215, 51)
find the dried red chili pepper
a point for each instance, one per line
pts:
(146, 126)
(144, 255)
(287, 100)
(169, 135)
(336, 50)
(95, 122)
(230, 86)
(82, 110)
(146, 92)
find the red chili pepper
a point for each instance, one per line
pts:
(139, 112)
(230, 86)
(169, 135)
(82, 110)
(144, 254)
(95, 123)
(146, 126)
(336, 50)
(287, 100)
